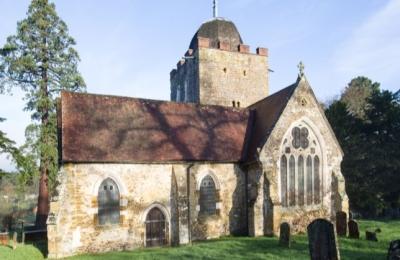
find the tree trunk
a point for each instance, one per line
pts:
(43, 198)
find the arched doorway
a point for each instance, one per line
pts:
(156, 228)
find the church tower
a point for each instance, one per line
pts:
(219, 69)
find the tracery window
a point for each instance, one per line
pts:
(300, 168)
(108, 203)
(208, 196)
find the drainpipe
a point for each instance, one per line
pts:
(188, 202)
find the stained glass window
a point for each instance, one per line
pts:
(300, 181)
(300, 168)
(304, 138)
(284, 180)
(317, 194)
(309, 181)
(207, 200)
(296, 137)
(292, 181)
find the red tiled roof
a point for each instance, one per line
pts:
(97, 128)
(266, 113)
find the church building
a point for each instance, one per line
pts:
(223, 157)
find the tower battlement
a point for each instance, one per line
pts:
(219, 69)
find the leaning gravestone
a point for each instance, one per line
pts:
(322, 240)
(341, 223)
(284, 235)
(371, 236)
(354, 231)
(394, 250)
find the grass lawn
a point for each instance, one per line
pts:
(241, 248)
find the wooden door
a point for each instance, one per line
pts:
(156, 228)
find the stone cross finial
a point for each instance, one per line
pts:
(215, 9)
(301, 69)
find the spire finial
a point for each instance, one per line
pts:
(215, 9)
(301, 69)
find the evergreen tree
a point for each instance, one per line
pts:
(7, 146)
(356, 94)
(371, 162)
(40, 60)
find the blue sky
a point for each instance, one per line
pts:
(128, 47)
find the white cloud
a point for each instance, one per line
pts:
(374, 47)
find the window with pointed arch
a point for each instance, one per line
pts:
(300, 168)
(208, 196)
(108, 200)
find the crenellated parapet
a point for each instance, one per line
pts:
(220, 71)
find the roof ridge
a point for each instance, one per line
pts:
(294, 85)
(235, 109)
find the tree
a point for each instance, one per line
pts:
(40, 59)
(7, 146)
(371, 160)
(356, 94)
(382, 129)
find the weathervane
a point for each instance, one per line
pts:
(215, 9)
(301, 69)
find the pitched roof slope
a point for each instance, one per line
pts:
(97, 128)
(266, 113)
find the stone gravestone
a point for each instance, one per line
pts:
(284, 235)
(394, 250)
(15, 240)
(341, 223)
(322, 240)
(371, 236)
(354, 231)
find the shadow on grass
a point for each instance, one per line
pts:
(40, 245)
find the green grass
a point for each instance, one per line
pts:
(241, 248)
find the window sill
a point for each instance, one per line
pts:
(312, 207)
(108, 226)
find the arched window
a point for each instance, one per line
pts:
(317, 194)
(292, 181)
(300, 168)
(283, 180)
(208, 196)
(300, 176)
(108, 202)
(309, 180)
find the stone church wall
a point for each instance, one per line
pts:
(301, 107)
(73, 225)
(212, 76)
(227, 76)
